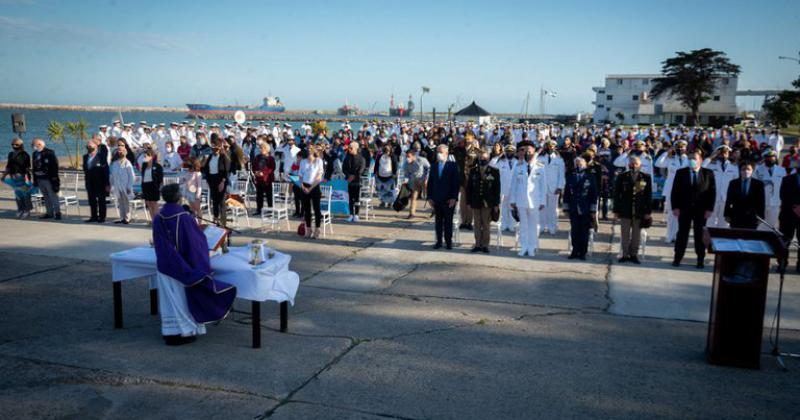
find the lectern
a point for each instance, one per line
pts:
(738, 298)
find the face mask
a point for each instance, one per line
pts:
(770, 163)
(509, 155)
(17, 146)
(581, 168)
(746, 175)
(483, 162)
(441, 157)
(693, 164)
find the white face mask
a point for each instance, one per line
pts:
(693, 164)
(441, 157)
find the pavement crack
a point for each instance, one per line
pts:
(45, 270)
(352, 410)
(609, 264)
(283, 401)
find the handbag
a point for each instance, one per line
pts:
(301, 229)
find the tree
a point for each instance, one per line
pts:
(691, 78)
(784, 108)
(77, 129)
(55, 132)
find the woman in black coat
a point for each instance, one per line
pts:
(152, 178)
(18, 168)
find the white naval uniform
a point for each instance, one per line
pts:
(506, 168)
(722, 177)
(775, 141)
(554, 167)
(671, 164)
(528, 194)
(772, 178)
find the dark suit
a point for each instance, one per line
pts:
(580, 201)
(740, 209)
(693, 200)
(214, 181)
(442, 188)
(97, 182)
(789, 222)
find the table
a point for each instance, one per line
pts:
(269, 281)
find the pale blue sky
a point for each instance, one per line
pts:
(317, 54)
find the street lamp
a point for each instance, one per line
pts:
(425, 90)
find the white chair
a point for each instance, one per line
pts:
(235, 209)
(642, 243)
(325, 206)
(456, 224)
(137, 204)
(590, 249)
(365, 194)
(498, 232)
(280, 207)
(69, 197)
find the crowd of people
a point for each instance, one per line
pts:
(516, 174)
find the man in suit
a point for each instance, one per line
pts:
(633, 198)
(45, 176)
(580, 202)
(444, 182)
(693, 196)
(216, 171)
(96, 172)
(789, 216)
(745, 199)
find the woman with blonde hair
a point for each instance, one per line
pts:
(311, 172)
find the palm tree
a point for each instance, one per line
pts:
(77, 130)
(55, 132)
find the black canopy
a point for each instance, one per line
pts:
(473, 110)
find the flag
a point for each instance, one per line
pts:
(425, 89)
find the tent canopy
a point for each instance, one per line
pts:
(472, 110)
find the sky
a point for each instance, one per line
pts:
(319, 54)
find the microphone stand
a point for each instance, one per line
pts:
(782, 272)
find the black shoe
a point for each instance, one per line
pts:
(468, 226)
(462, 226)
(92, 220)
(623, 260)
(475, 249)
(45, 216)
(582, 257)
(572, 257)
(118, 221)
(125, 222)
(257, 213)
(635, 260)
(449, 246)
(177, 340)
(700, 264)
(485, 250)
(101, 220)
(437, 245)
(58, 216)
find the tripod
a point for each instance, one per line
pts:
(779, 355)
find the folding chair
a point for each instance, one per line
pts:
(325, 205)
(280, 207)
(69, 198)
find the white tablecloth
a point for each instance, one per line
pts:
(271, 280)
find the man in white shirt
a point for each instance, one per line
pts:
(724, 172)
(673, 160)
(506, 165)
(775, 141)
(528, 190)
(638, 149)
(771, 174)
(103, 133)
(555, 170)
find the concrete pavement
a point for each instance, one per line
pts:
(383, 327)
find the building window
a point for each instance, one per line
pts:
(645, 81)
(679, 119)
(635, 97)
(602, 92)
(609, 97)
(619, 81)
(716, 98)
(600, 106)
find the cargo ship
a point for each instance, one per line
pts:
(400, 110)
(347, 109)
(272, 105)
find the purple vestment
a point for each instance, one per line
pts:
(182, 253)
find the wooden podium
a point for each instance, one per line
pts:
(738, 298)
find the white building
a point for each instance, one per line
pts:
(628, 96)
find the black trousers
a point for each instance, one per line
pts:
(311, 203)
(263, 190)
(217, 196)
(354, 192)
(96, 192)
(444, 222)
(579, 233)
(690, 219)
(790, 228)
(298, 199)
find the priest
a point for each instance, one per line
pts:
(189, 297)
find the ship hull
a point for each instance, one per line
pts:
(221, 112)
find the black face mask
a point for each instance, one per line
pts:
(17, 147)
(483, 162)
(509, 155)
